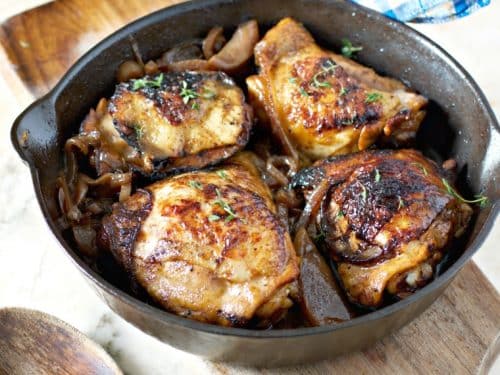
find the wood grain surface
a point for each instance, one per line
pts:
(460, 332)
(54, 347)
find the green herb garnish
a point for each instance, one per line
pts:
(372, 97)
(363, 193)
(186, 93)
(195, 185)
(348, 50)
(422, 168)
(340, 214)
(144, 82)
(343, 91)
(480, 199)
(292, 80)
(303, 92)
(377, 175)
(328, 66)
(213, 217)
(222, 174)
(401, 203)
(349, 121)
(318, 83)
(195, 106)
(139, 131)
(231, 215)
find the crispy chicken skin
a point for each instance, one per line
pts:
(207, 245)
(387, 219)
(172, 121)
(327, 104)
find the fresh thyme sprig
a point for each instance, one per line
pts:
(372, 97)
(144, 82)
(481, 200)
(348, 50)
(231, 215)
(195, 185)
(187, 93)
(222, 174)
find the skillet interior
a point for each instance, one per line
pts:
(460, 124)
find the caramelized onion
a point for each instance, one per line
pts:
(189, 50)
(128, 70)
(238, 50)
(213, 42)
(135, 49)
(287, 161)
(151, 68)
(313, 204)
(85, 237)
(184, 65)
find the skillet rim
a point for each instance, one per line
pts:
(171, 318)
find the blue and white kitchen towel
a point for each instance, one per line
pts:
(430, 11)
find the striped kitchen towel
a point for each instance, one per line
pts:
(430, 11)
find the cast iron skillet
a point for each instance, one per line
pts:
(460, 124)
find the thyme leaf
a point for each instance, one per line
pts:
(144, 82)
(187, 93)
(364, 193)
(372, 97)
(222, 174)
(377, 175)
(348, 50)
(303, 92)
(317, 83)
(213, 217)
(195, 185)
(401, 203)
(422, 168)
(481, 200)
(139, 131)
(231, 215)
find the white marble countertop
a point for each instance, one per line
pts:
(35, 273)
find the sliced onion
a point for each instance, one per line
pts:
(135, 49)
(128, 70)
(151, 68)
(186, 65)
(313, 204)
(189, 50)
(85, 237)
(125, 191)
(238, 50)
(213, 42)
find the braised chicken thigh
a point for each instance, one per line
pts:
(207, 245)
(325, 103)
(387, 219)
(169, 121)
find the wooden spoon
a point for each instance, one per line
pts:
(32, 342)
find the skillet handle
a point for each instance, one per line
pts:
(34, 132)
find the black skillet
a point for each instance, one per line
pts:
(460, 124)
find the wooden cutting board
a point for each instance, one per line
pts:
(458, 334)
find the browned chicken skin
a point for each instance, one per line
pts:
(387, 219)
(207, 245)
(327, 104)
(171, 121)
